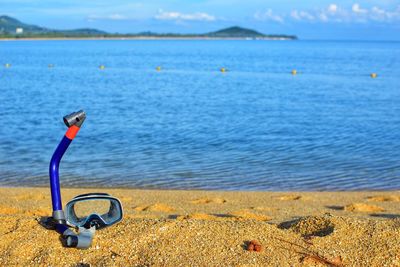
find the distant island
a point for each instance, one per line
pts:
(11, 28)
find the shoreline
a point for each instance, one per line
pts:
(344, 191)
(144, 38)
(197, 227)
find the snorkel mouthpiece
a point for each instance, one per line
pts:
(82, 240)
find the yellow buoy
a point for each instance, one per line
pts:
(294, 72)
(223, 70)
(7, 65)
(374, 75)
(102, 67)
(158, 68)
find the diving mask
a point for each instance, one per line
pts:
(95, 209)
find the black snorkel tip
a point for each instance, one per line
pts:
(75, 118)
(71, 241)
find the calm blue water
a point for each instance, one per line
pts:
(256, 127)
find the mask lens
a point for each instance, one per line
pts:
(91, 206)
(82, 210)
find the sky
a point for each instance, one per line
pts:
(312, 19)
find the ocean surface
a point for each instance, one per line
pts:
(189, 126)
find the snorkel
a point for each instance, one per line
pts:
(74, 122)
(88, 223)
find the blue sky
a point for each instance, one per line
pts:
(367, 20)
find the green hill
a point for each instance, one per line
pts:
(239, 32)
(236, 31)
(9, 25)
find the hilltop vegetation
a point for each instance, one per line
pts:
(239, 32)
(9, 25)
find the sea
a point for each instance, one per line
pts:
(162, 115)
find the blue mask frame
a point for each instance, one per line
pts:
(114, 214)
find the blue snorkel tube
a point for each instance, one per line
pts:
(74, 122)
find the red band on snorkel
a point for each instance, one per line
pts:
(72, 131)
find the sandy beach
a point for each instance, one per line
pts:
(212, 228)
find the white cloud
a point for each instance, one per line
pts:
(356, 8)
(334, 13)
(378, 14)
(199, 16)
(393, 15)
(107, 17)
(117, 17)
(323, 17)
(268, 15)
(301, 15)
(332, 8)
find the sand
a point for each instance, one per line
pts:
(211, 228)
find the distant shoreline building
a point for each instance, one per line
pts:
(19, 30)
